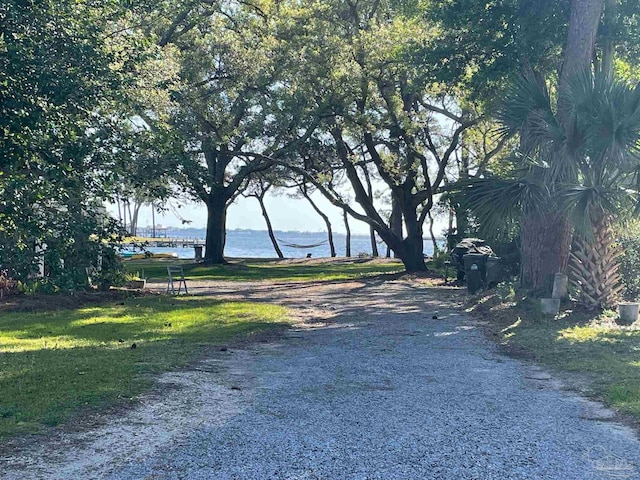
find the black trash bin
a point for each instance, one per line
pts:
(467, 246)
(494, 271)
(475, 268)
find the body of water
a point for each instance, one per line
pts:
(256, 244)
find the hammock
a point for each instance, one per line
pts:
(295, 245)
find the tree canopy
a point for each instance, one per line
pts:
(215, 98)
(59, 74)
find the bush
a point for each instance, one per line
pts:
(71, 242)
(630, 266)
(507, 291)
(111, 272)
(7, 284)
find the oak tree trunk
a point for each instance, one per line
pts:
(374, 243)
(267, 220)
(413, 257)
(216, 229)
(326, 221)
(412, 254)
(372, 231)
(348, 234)
(434, 241)
(395, 220)
(408, 250)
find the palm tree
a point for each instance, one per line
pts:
(586, 168)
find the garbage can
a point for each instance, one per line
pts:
(494, 271)
(467, 246)
(198, 252)
(475, 267)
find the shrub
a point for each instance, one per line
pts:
(7, 284)
(111, 272)
(507, 291)
(630, 266)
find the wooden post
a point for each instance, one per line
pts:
(560, 282)
(153, 220)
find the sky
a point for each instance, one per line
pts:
(285, 213)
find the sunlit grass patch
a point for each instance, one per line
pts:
(588, 333)
(53, 364)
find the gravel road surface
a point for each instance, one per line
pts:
(372, 386)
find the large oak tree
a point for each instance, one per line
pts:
(380, 109)
(232, 93)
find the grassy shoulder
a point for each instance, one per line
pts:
(55, 364)
(604, 355)
(258, 270)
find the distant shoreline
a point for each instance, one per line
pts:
(192, 232)
(244, 243)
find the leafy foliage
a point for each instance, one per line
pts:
(486, 42)
(59, 75)
(629, 241)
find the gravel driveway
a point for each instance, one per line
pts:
(371, 387)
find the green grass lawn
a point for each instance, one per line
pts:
(252, 270)
(605, 355)
(58, 363)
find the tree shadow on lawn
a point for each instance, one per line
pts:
(380, 295)
(63, 301)
(55, 364)
(255, 270)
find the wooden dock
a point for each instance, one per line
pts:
(163, 242)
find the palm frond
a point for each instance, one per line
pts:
(606, 127)
(582, 93)
(527, 101)
(582, 203)
(498, 202)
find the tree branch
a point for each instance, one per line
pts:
(169, 33)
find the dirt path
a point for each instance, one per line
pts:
(371, 386)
